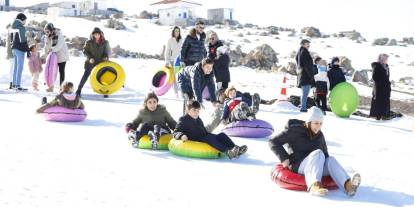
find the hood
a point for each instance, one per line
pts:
(69, 96)
(17, 23)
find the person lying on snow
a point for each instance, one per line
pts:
(221, 97)
(191, 127)
(238, 108)
(153, 120)
(310, 155)
(66, 98)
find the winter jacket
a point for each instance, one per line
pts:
(230, 104)
(381, 91)
(9, 45)
(221, 62)
(57, 44)
(160, 117)
(97, 51)
(192, 128)
(173, 50)
(35, 63)
(66, 100)
(192, 78)
(335, 76)
(305, 68)
(296, 135)
(321, 80)
(193, 49)
(19, 38)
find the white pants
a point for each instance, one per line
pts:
(315, 165)
(11, 69)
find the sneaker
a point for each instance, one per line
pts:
(242, 150)
(20, 89)
(352, 185)
(255, 103)
(106, 96)
(317, 190)
(44, 100)
(232, 153)
(132, 136)
(304, 111)
(11, 85)
(153, 139)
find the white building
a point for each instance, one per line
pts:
(220, 16)
(68, 8)
(80, 8)
(4, 5)
(176, 12)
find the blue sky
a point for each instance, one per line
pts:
(372, 18)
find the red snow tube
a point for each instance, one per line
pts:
(287, 179)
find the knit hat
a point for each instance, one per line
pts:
(334, 60)
(304, 41)
(315, 114)
(97, 30)
(21, 17)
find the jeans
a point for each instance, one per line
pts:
(18, 66)
(304, 98)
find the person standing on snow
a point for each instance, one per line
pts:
(193, 49)
(305, 69)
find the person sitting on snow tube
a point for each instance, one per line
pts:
(191, 127)
(66, 98)
(193, 79)
(153, 120)
(310, 155)
(237, 107)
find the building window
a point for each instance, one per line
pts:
(168, 14)
(73, 6)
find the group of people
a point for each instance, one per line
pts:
(314, 73)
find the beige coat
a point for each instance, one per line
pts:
(173, 50)
(61, 49)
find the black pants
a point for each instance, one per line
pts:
(224, 85)
(86, 74)
(62, 72)
(189, 63)
(220, 141)
(321, 101)
(145, 128)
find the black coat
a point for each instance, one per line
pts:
(305, 65)
(193, 79)
(221, 63)
(299, 140)
(380, 104)
(193, 128)
(335, 76)
(193, 49)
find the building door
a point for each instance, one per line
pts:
(231, 15)
(185, 15)
(95, 5)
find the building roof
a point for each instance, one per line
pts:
(166, 2)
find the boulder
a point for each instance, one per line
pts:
(273, 30)
(236, 56)
(361, 76)
(262, 57)
(311, 32)
(346, 65)
(392, 42)
(115, 24)
(380, 41)
(290, 68)
(352, 35)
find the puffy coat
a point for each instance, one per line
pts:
(193, 49)
(160, 117)
(57, 44)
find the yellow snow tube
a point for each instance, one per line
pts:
(145, 142)
(193, 149)
(107, 78)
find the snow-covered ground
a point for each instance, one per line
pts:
(92, 164)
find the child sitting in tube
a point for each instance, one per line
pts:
(237, 107)
(66, 98)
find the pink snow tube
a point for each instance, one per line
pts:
(51, 69)
(249, 129)
(206, 93)
(62, 114)
(162, 81)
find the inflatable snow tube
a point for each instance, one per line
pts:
(249, 129)
(107, 78)
(344, 99)
(287, 179)
(162, 81)
(51, 69)
(145, 142)
(62, 114)
(206, 93)
(193, 149)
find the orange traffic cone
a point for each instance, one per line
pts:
(283, 94)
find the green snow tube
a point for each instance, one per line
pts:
(193, 149)
(145, 142)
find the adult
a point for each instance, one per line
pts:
(96, 50)
(19, 48)
(194, 79)
(381, 91)
(335, 73)
(9, 54)
(55, 42)
(218, 52)
(172, 51)
(305, 69)
(193, 49)
(310, 155)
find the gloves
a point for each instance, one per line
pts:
(128, 127)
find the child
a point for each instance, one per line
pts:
(66, 98)
(238, 107)
(35, 66)
(335, 73)
(191, 127)
(321, 88)
(153, 120)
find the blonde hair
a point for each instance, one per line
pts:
(231, 88)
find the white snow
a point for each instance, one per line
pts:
(92, 164)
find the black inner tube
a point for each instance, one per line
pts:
(157, 78)
(105, 70)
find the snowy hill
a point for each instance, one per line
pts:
(92, 164)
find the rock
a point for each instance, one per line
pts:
(408, 40)
(295, 100)
(262, 57)
(240, 35)
(411, 64)
(248, 25)
(236, 56)
(380, 41)
(135, 26)
(117, 51)
(264, 34)
(115, 24)
(118, 15)
(74, 52)
(246, 41)
(146, 15)
(273, 30)
(77, 42)
(407, 81)
(292, 34)
(248, 33)
(292, 54)
(361, 76)
(290, 68)
(346, 65)
(352, 35)
(392, 42)
(326, 36)
(311, 32)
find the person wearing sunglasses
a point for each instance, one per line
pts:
(193, 49)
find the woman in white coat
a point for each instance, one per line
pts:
(55, 42)
(172, 51)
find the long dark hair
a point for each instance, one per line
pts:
(150, 95)
(173, 31)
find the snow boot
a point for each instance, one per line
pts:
(154, 140)
(11, 85)
(132, 136)
(255, 103)
(242, 150)
(317, 190)
(268, 102)
(233, 152)
(352, 185)
(44, 100)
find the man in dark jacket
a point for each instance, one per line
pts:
(193, 79)
(193, 49)
(96, 50)
(306, 74)
(335, 74)
(19, 47)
